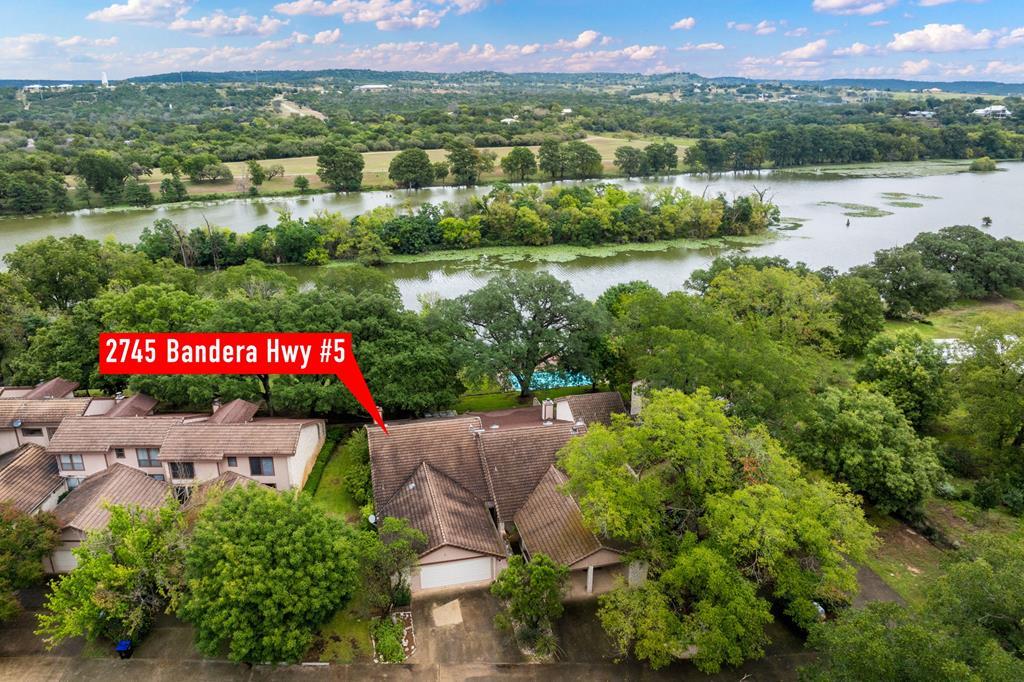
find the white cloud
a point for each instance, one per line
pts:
(934, 3)
(387, 15)
(912, 68)
(878, 22)
(684, 24)
(583, 40)
(220, 24)
(861, 7)
(34, 54)
(701, 47)
(1012, 38)
(761, 28)
(1000, 68)
(327, 37)
(855, 50)
(142, 11)
(809, 51)
(941, 38)
(957, 70)
(798, 32)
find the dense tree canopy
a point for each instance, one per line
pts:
(299, 566)
(24, 541)
(861, 437)
(127, 574)
(724, 519)
(911, 370)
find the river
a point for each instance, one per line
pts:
(822, 238)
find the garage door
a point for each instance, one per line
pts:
(455, 572)
(63, 560)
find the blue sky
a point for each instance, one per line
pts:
(921, 39)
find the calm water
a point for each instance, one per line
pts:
(824, 238)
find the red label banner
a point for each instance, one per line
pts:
(237, 353)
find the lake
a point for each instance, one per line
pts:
(917, 197)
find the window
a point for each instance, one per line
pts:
(71, 463)
(183, 470)
(261, 466)
(232, 461)
(119, 453)
(50, 431)
(182, 492)
(147, 457)
(31, 433)
(73, 483)
(158, 477)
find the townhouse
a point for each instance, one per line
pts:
(482, 487)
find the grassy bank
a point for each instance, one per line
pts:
(960, 319)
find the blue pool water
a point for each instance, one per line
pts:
(542, 380)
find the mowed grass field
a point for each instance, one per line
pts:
(375, 174)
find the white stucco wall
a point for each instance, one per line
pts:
(311, 439)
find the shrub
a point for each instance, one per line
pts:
(983, 163)
(987, 493)
(946, 490)
(357, 482)
(402, 595)
(1013, 498)
(387, 637)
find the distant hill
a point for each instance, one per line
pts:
(22, 82)
(483, 78)
(966, 87)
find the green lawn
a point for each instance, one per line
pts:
(331, 493)
(346, 637)
(502, 401)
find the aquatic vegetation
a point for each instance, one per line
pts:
(857, 210)
(904, 204)
(906, 195)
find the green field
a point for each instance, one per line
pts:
(375, 174)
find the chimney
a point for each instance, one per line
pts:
(580, 427)
(216, 404)
(547, 410)
(118, 397)
(380, 411)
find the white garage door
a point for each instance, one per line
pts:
(455, 572)
(63, 560)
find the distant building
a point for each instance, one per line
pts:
(370, 88)
(994, 111)
(919, 114)
(103, 81)
(566, 112)
(510, 121)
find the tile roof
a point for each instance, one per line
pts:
(447, 445)
(83, 508)
(595, 407)
(137, 405)
(550, 523)
(235, 412)
(54, 388)
(444, 510)
(29, 478)
(83, 435)
(203, 440)
(516, 459)
(48, 411)
(225, 480)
